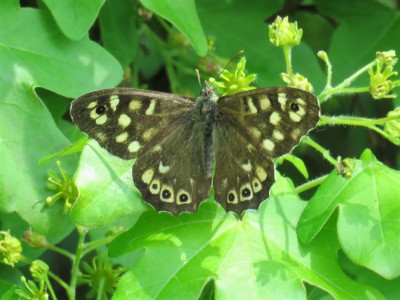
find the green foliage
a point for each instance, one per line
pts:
(343, 243)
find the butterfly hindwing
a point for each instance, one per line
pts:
(252, 128)
(125, 121)
(171, 175)
(243, 176)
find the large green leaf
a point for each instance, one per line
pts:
(183, 15)
(257, 257)
(118, 29)
(369, 213)
(248, 31)
(27, 129)
(74, 17)
(106, 188)
(365, 27)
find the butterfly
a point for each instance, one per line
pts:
(180, 142)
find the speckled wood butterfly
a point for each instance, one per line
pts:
(176, 140)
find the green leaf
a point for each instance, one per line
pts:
(27, 129)
(183, 15)
(7, 290)
(233, 31)
(74, 148)
(118, 29)
(295, 161)
(364, 27)
(257, 257)
(74, 17)
(369, 211)
(106, 190)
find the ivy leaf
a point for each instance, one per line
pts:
(27, 129)
(369, 213)
(74, 17)
(257, 257)
(106, 190)
(183, 15)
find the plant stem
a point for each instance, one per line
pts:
(76, 262)
(322, 150)
(50, 288)
(287, 52)
(96, 243)
(311, 184)
(59, 250)
(58, 280)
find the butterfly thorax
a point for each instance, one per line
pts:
(205, 116)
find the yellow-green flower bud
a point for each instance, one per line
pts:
(392, 127)
(10, 249)
(284, 33)
(235, 82)
(387, 58)
(297, 81)
(39, 270)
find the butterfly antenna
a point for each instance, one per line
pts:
(198, 76)
(230, 61)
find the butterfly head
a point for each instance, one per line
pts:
(208, 93)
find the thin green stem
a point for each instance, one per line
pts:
(322, 150)
(355, 121)
(287, 52)
(96, 243)
(311, 184)
(100, 288)
(75, 266)
(351, 78)
(327, 93)
(58, 280)
(60, 250)
(50, 288)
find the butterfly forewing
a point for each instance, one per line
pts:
(272, 119)
(252, 128)
(126, 121)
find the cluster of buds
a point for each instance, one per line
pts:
(235, 82)
(380, 84)
(298, 81)
(284, 33)
(10, 248)
(64, 187)
(392, 127)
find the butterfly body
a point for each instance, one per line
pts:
(179, 142)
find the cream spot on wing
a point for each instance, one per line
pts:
(101, 136)
(163, 169)
(282, 99)
(92, 105)
(93, 114)
(278, 135)
(157, 148)
(155, 186)
(274, 118)
(294, 117)
(101, 120)
(134, 146)
(261, 174)
(149, 133)
(256, 185)
(151, 108)
(247, 166)
(135, 105)
(251, 106)
(167, 193)
(265, 103)
(122, 137)
(232, 197)
(183, 197)
(124, 120)
(255, 132)
(245, 192)
(224, 182)
(147, 176)
(114, 101)
(295, 134)
(268, 144)
(301, 101)
(301, 112)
